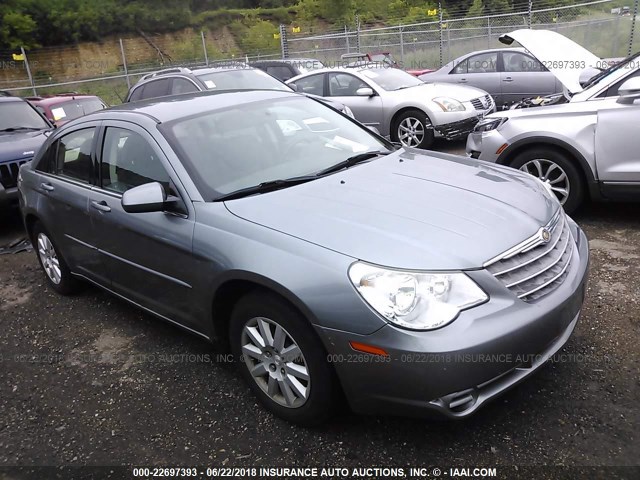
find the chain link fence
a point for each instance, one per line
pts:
(109, 68)
(450, 34)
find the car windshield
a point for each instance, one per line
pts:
(242, 79)
(16, 115)
(626, 63)
(391, 79)
(277, 139)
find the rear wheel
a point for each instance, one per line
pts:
(557, 171)
(55, 268)
(282, 360)
(413, 129)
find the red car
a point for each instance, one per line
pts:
(64, 107)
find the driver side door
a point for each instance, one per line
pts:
(618, 146)
(343, 87)
(148, 256)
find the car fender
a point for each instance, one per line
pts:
(584, 159)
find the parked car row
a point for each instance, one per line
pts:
(277, 225)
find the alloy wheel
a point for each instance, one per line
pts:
(275, 362)
(411, 132)
(552, 175)
(49, 259)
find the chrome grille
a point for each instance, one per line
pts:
(9, 173)
(536, 267)
(482, 103)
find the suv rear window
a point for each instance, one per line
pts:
(153, 89)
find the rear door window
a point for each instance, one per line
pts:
(74, 158)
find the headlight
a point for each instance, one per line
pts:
(449, 104)
(416, 300)
(347, 111)
(489, 124)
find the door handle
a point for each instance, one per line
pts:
(47, 187)
(507, 79)
(101, 206)
(462, 80)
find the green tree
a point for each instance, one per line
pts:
(476, 9)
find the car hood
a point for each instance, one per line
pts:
(563, 109)
(428, 91)
(409, 210)
(21, 144)
(564, 58)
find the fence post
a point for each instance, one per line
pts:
(124, 64)
(204, 49)
(488, 32)
(401, 28)
(530, 10)
(358, 33)
(346, 37)
(633, 26)
(284, 44)
(26, 64)
(440, 28)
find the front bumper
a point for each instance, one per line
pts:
(486, 145)
(459, 129)
(453, 371)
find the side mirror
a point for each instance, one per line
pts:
(146, 198)
(587, 74)
(365, 92)
(629, 91)
(293, 86)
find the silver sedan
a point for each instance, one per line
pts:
(399, 105)
(508, 74)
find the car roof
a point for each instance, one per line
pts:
(285, 60)
(169, 108)
(11, 99)
(56, 99)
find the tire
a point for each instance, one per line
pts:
(53, 264)
(282, 393)
(558, 170)
(413, 129)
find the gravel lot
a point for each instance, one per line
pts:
(89, 380)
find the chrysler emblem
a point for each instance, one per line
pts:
(545, 235)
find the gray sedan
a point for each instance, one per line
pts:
(399, 105)
(330, 263)
(508, 74)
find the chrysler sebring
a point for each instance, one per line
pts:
(331, 264)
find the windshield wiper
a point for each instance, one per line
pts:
(265, 187)
(13, 129)
(599, 76)
(350, 162)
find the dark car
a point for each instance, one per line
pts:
(63, 107)
(286, 69)
(23, 130)
(228, 77)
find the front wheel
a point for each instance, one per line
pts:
(557, 171)
(413, 129)
(282, 360)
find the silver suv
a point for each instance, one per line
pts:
(578, 149)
